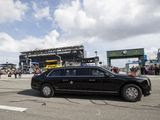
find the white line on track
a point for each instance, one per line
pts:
(18, 109)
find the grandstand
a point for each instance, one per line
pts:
(72, 54)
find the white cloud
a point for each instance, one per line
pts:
(7, 43)
(100, 25)
(152, 53)
(112, 24)
(73, 20)
(109, 19)
(41, 13)
(12, 10)
(51, 40)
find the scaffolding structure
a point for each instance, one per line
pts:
(72, 54)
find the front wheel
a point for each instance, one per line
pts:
(131, 93)
(47, 90)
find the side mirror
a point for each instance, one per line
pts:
(109, 75)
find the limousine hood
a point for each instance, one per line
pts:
(124, 76)
(131, 77)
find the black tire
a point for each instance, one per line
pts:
(47, 90)
(131, 93)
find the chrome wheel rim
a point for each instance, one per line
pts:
(132, 93)
(46, 90)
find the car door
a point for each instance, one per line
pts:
(69, 79)
(95, 80)
(81, 80)
(56, 78)
(89, 79)
(99, 80)
(110, 82)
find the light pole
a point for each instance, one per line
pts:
(60, 58)
(96, 53)
(96, 62)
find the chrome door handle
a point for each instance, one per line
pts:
(65, 80)
(92, 80)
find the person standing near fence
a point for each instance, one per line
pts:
(143, 70)
(19, 73)
(156, 70)
(15, 73)
(159, 69)
(37, 70)
(0, 73)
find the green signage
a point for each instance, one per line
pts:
(128, 53)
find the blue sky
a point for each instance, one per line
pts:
(99, 25)
(29, 25)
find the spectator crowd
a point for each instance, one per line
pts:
(150, 69)
(153, 69)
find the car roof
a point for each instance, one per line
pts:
(77, 67)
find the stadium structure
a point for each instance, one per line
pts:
(73, 55)
(158, 55)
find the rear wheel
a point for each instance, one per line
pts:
(131, 93)
(47, 90)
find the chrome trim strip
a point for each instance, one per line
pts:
(77, 76)
(69, 90)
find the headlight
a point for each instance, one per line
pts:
(149, 82)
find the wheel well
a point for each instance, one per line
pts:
(47, 83)
(130, 83)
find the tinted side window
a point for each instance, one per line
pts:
(55, 73)
(83, 72)
(97, 72)
(70, 72)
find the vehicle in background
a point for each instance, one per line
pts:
(91, 79)
(50, 64)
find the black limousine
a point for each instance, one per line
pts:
(91, 79)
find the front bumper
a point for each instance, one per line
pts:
(148, 88)
(147, 93)
(35, 84)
